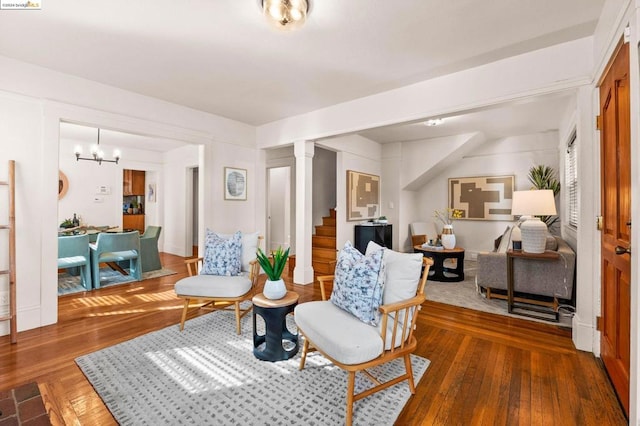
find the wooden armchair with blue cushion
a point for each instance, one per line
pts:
(370, 318)
(116, 247)
(73, 252)
(149, 255)
(228, 276)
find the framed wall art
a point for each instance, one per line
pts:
(235, 184)
(363, 196)
(483, 197)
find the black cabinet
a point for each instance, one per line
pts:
(379, 233)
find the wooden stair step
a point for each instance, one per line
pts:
(332, 213)
(328, 221)
(326, 231)
(322, 241)
(318, 253)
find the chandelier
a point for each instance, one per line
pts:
(97, 154)
(286, 14)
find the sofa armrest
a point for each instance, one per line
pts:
(492, 270)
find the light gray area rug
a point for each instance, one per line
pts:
(69, 284)
(207, 375)
(466, 295)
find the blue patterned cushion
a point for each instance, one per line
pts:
(222, 256)
(358, 283)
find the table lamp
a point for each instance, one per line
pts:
(529, 204)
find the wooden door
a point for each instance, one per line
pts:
(615, 151)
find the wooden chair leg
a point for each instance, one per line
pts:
(184, 314)
(351, 381)
(407, 366)
(303, 357)
(238, 317)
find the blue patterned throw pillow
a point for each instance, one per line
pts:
(358, 283)
(222, 256)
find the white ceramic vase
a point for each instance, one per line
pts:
(274, 289)
(448, 238)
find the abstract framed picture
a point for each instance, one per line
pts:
(363, 196)
(235, 184)
(483, 197)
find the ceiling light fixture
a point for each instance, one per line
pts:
(97, 154)
(434, 122)
(286, 14)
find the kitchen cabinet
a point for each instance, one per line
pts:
(133, 182)
(133, 221)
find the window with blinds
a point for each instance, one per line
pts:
(571, 181)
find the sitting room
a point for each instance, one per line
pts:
(438, 100)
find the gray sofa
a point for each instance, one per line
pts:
(552, 279)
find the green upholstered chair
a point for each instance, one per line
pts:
(150, 257)
(73, 252)
(116, 247)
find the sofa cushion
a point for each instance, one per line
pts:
(222, 256)
(401, 273)
(340, 335)
(358, 283)
(505, 241)
(214, 286)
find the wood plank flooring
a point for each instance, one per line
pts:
(485, 369)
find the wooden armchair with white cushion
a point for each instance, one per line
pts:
(228, 275)
(371, 316)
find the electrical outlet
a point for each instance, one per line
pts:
(4, 298)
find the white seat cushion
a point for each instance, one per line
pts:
(214, 286)
(341, 335)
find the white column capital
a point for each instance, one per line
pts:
(303, 149)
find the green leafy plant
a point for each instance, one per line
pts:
(544, 177)
(273, 265)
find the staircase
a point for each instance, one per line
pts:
(323, 246)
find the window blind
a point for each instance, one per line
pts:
(571, 180)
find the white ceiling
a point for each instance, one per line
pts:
(221, 57)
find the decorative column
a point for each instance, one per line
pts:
(303, 272)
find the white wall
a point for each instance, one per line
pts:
(324, 183)
(509, 156)
(353, 153)
(278, 192)
(83, 198)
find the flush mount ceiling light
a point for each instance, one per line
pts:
(286, 14)
(97, 154)
(434, 122)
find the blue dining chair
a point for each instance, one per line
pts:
(73, 252)
(116, 247)
(150, 257)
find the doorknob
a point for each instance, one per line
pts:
(622, 250)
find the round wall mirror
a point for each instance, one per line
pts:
(63, 185)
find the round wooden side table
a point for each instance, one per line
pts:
(274, 313)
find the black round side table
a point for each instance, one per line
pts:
(274, 313)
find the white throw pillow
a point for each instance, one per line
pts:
(402, 273)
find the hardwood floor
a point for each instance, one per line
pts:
(485, 369)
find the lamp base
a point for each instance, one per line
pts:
(534, 235)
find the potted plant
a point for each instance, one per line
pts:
(382, 219)
(544, 177)
(273, 266)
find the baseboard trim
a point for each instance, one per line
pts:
(583, 335)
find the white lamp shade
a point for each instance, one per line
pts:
(538, 202)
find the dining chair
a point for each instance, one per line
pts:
(116, 247)
(149, 256)
(73, 252)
